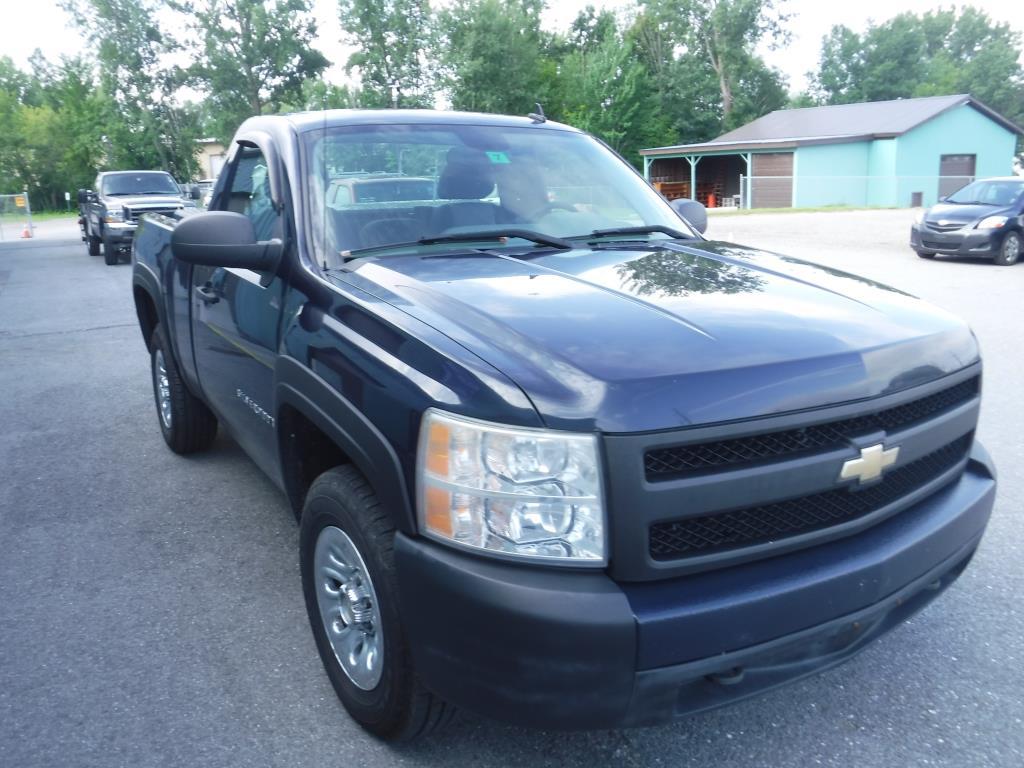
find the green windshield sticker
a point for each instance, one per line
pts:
(498, 158)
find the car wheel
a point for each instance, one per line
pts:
(1009, 250)
(92, 242)
(926, 254)
(188, 426)
(351, 593)
(110, 253)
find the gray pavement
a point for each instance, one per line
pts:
(151, 612)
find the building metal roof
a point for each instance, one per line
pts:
(839, 123)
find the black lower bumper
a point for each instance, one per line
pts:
(574, 650)
(975, 243)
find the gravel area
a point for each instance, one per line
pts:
(151, 611)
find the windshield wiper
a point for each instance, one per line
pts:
(465, 237)
(499, 234)
(647, 229)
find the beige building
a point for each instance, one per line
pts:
(212, 156)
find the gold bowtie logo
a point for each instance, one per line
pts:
(869, 466)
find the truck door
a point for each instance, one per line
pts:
(236, 317)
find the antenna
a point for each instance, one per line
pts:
(538, 116)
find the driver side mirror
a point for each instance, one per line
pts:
(692, 212)
(224, 239)
(85, 196)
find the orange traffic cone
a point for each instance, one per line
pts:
(26, 232)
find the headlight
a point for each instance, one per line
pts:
(919, 216)
(523, 493)
(114, 216)
(992, 222)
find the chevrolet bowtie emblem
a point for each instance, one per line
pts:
(869, 466)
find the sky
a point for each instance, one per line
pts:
(47, 27)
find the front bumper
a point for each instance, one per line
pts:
(575, 650)
(972, 243)
(119, 235)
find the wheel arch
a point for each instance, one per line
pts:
(317, 428)
(147, 310)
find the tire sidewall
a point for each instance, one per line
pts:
(159, 345)
(377, 709)
(1013, 236)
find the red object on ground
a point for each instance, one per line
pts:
(711, 201)
(26, 232)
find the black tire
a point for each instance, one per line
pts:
(1009, 249)
(926, 254)
(111, 254)
(191, 426)
(397, 708)
(93, 243)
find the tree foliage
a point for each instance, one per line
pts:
(394, 39)
(253, 56)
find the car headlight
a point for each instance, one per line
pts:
(919, 216)
(524, 493)
(114, 216)
(992, 222)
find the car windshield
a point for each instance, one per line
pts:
(372, 187)
(143, 183)
(1002, 192)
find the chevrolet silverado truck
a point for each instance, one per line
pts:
(556, 458)
(109, 213)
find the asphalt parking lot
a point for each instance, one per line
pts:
(151, 611)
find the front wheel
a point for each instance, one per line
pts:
(92, 242)
(351, 592)
(110, 253)
(1009, 250)
(187, 425)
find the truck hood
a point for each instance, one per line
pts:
(627, 339)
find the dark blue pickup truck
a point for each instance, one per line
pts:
(557, 458)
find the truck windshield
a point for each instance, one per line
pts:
(142, 183)
(372, 186)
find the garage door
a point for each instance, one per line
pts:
(772, 182)
(954, 172)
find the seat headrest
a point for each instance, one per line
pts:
(468, 175)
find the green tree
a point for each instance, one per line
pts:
(253, 57)
(603, 88)
(724, 35)
(147, 127)
(493, 55)
(395, 40)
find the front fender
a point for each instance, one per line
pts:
(371, 453)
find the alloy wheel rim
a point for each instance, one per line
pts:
(1011, 247)
(163, 389)
(349, 611)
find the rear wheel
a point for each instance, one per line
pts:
(188, 426)
(1009, 249)
(351, 591)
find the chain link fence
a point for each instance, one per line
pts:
(854, 191)
(15, 216)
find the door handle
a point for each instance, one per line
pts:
(207, 294)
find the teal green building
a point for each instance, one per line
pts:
(906, 152)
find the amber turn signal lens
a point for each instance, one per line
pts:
(437, 449)
(439, 511)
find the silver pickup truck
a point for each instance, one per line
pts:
(109, 213)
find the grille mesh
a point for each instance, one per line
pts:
(667, 463)
(779, 520)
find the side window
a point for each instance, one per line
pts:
(250, 194)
